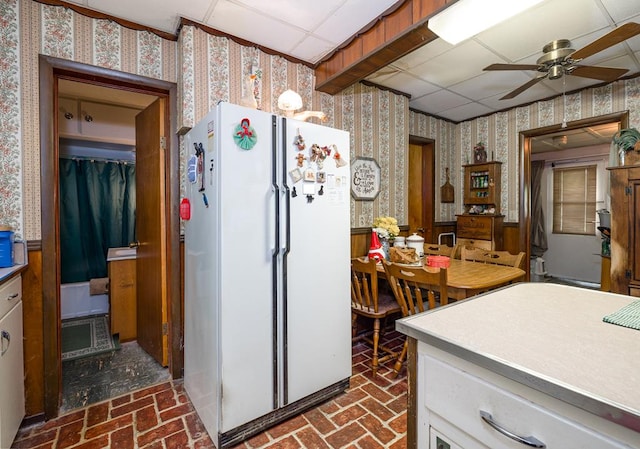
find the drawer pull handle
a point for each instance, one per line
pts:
(5, 336)
(10, 297)
(527, 441)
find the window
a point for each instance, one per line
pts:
(574, 200)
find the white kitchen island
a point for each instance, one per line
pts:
(529, 365)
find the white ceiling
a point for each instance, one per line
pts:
(442, 79)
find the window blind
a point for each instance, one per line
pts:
(574, 200)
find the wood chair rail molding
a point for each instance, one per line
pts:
(397, 32)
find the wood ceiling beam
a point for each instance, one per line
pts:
(391, 37)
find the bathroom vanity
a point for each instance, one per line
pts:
(529, 365)
(122, 292)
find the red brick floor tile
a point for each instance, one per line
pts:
(400, 444)
(36, 439)
(319, 421)
(174, 412)
(286, 443)
(194, 426)
(70, 434)
(131, 406)
(377, 409)
(348, 415)
(204, 443)
(287, 427)
(160, 432)
(377, 392)
(108, 426)
(122, 438)
(97, 414)
(310, 438)
(345, 435)
(260, 440)
(146, 418)
(351, 397)
(156, 445)
(96, 443)
(368, 442)
(399, 424)
(165, 399)
(121, 400)
(152, 390)
(373, 425)
(178, 440)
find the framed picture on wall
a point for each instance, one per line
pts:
(365, 178)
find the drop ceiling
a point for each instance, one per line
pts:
(442, 79)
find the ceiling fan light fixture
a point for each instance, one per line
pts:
(466, 18)
(556, 72)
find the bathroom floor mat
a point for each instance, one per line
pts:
(83, 337)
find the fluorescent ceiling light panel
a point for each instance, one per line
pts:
(466, 18)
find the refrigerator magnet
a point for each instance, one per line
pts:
(301, 158)
(192, 169)
(299, 142)
(321, 176)
(309, 175)
(296, 175)
(244, 135)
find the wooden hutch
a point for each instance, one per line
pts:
(625, 230)
(481, 223)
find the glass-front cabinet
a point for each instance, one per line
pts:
(482, 188)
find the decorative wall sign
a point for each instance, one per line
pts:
(365, 178)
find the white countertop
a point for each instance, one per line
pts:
(549, 337)
(6, 273)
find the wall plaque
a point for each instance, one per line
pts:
(365, 178)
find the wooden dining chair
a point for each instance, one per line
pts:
(492, 257)
(369, 302)
(434, 249)
(410, 285)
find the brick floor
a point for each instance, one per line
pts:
(371, 414)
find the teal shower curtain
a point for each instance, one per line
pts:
(97, 212)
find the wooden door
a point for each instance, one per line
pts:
(151, 266)
(421, 190)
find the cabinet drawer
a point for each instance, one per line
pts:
(459, 397)
(472, 227)
(10, 294)
(482, 244)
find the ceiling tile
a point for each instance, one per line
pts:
(255, 27)
(527, 33)
(304, 14)
(312, 49)
(160, 14)
(343, 23)
(408, 83)
(491, 83)
(535, 93)
(424, 53)
(462, 113)
(451, 67)
(621, 10)
(441, 99)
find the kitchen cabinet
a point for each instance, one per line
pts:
(480, 225)
(495, 373)
(122, 298)
(94, 121)
(625, 230)
(12, 402)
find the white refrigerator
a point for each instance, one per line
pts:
(267, 271)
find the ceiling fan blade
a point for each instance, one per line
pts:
(599, 73)
(622, 33)
(511, 67)
(524, 87)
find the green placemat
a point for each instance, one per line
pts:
(628, 316)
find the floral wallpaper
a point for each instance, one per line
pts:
(10, 138)
(210, 68)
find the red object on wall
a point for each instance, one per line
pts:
(185, 209)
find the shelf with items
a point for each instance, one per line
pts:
(482, 188)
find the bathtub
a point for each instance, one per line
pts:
(75, 301)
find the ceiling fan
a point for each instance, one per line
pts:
(560, 59)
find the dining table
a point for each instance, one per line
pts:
(466, 278)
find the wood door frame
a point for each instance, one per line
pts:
(428, 182)
(50, 70)
(524, 211)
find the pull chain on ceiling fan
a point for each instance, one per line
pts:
(559, 59)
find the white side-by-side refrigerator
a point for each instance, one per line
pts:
(267, 271)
